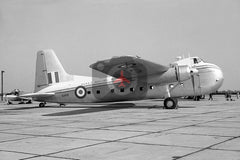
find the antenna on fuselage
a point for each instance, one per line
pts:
(138, 56)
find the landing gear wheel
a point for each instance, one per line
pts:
(170, 103)
(9, 102)
(42, 104)
(62, 105)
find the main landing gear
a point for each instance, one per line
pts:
(170, 103)
(42, 104)
(62, 105)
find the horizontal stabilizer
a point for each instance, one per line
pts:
(38, 95)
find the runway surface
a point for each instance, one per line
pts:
(140, 130)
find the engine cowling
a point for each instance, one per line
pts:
(176, 74)
(183, 72)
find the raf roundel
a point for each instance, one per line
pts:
(80, 92)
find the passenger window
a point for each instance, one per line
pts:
(98, 91)
(197, 60)
(132, 89)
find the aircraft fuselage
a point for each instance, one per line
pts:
(208, 79)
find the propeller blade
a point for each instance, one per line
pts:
(193, 84)
(193, 72)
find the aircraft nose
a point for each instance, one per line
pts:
(219, 77)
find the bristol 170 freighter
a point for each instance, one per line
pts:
(126, 78)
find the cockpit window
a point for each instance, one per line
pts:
(197, 60)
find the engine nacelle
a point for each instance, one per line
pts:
(176, 74)
(183, 73)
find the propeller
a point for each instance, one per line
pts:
(184, 73)
(193, 84)
(193, 72)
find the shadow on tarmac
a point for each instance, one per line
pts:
(94, 108)
(22, 108)
(114, 106)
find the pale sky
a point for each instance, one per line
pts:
(84, 31)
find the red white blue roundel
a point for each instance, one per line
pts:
(80, 92)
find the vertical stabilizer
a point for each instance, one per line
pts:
(49, 70)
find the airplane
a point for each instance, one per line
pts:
(127, 78)
(15, 96)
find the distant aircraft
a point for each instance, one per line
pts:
(15, 96)
(127, 78)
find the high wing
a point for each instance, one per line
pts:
(37, 95)
(140, 66)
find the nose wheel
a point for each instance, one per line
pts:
(170, 103)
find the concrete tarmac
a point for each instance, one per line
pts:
(141, 130)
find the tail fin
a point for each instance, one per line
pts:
(49, 70)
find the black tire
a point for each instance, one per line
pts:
(170, 103)
(42, 104)
(9, 102)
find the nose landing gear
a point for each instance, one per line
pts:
(170, 103)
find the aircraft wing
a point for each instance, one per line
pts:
(140, 66)
(37, 95)
(25, 98)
